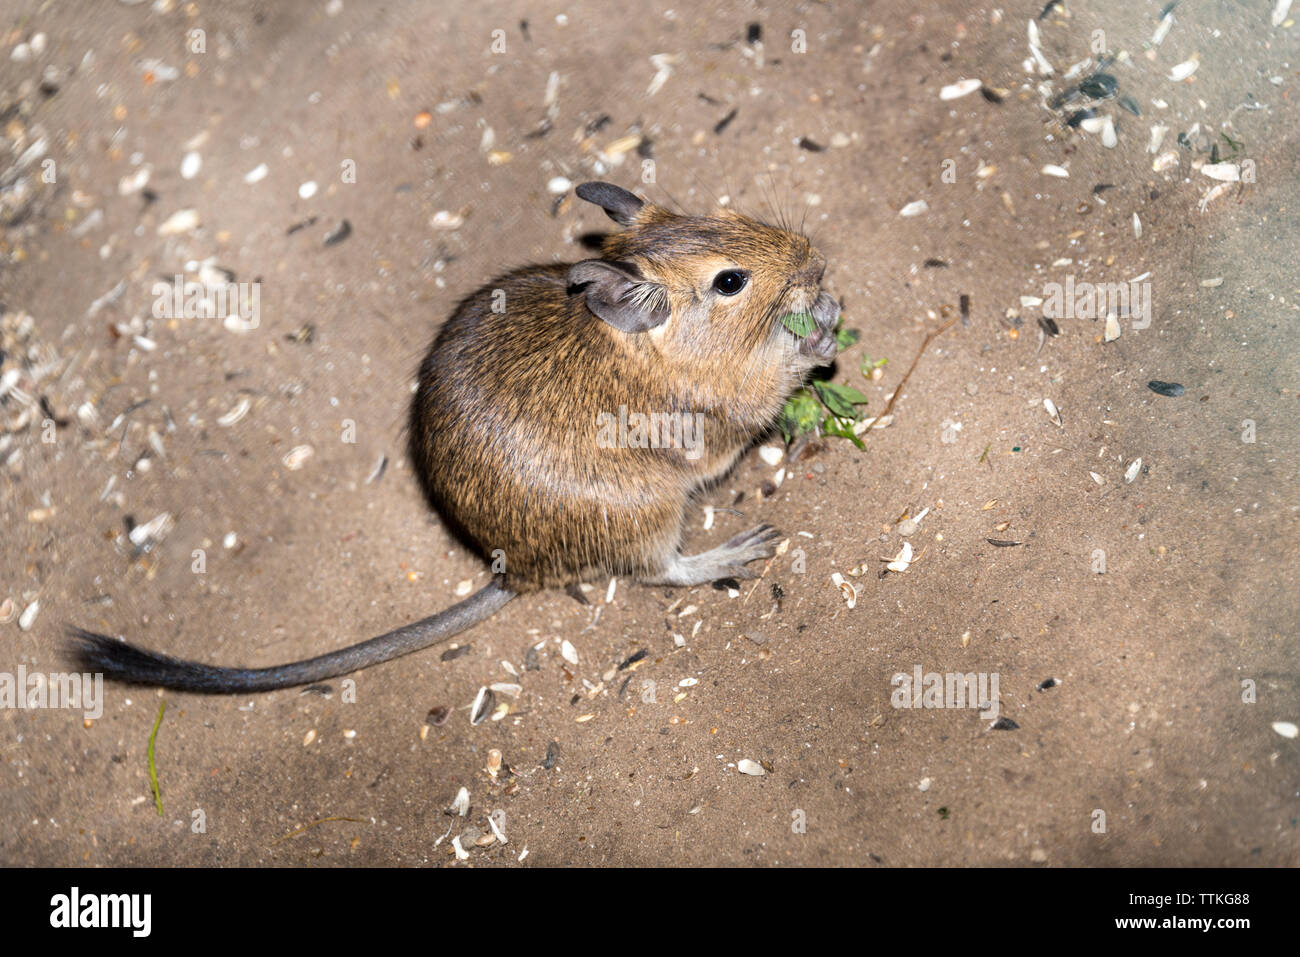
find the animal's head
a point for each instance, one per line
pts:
(705, 286)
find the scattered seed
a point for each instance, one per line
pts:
(1053, 412)
(28, 617)
(1109, 138)
(552, 756)
(483, 703)
(146, 536)
(179, 222)
(1165, 388)
(1213, 194)
(1132, 471)
(959, 89)
(1183, 70)
(633, 659)
(1099, 86)
(879, 422)
(847, 590)
(378, 472)
(908, 526)
(1164, 161)
(297, 457)
(902, 560)
(336, 236)
(746, 766)
(1158, 132)
(914, 208)
(1225, 172)
(445, 219)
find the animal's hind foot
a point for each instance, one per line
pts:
(729, 560)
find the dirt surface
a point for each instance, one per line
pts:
(1165, 607)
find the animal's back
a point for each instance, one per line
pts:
(504, 430)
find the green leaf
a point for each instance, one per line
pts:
(840, 399)
(842, 428)
(856, 396)
(845, 337)
(800, 323)
(800, 415)
(868, 364)
(1235, 144)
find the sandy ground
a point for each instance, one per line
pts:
(1157, 746)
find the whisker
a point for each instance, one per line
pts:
(681, 210)
(717, 202)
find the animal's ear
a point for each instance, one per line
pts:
(619, 295)
(620, 205)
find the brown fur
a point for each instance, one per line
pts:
(505, 432)
(504, 420)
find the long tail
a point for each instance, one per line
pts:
(120, 661)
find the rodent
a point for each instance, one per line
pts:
(680, 316)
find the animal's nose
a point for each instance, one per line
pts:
(812, 273)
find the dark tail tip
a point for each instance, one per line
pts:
(119, 661)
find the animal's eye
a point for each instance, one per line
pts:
(729, 282)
